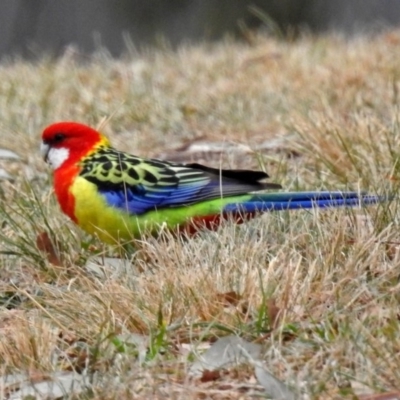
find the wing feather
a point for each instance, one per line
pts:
(137, 185)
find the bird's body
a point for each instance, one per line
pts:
(118, 196)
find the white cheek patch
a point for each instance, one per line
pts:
(56, 157)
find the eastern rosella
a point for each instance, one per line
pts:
(116, 195)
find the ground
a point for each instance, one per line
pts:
(318, 290)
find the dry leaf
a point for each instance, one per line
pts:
(68, 337)
(209, 376)
(229, 298)
(45, 245)
(274, 313)
(76, 357)
(392, 250)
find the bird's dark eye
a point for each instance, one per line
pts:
(58, 137)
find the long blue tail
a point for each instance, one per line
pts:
(302, 200)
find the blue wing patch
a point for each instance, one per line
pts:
(138, 200)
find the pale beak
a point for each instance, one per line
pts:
(44, 150)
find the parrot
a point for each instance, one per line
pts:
(118, 196)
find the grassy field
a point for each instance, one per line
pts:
(318, 290)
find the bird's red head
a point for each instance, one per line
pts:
(68, 142)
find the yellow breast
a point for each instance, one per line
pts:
(96, 217)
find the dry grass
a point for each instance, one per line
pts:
(333, 275)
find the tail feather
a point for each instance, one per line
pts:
(302, 200)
